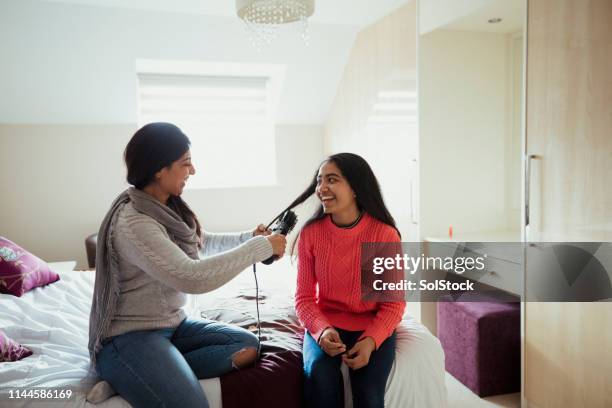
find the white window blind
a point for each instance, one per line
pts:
(227, 119)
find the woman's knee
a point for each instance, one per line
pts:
(249, 339)
(248, 349)
(244, 357)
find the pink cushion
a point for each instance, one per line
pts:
(21, 271)
(11, 350)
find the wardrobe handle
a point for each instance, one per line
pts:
(412, 202)
(528, 185)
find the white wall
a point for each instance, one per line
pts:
(65, 63)
(299, 151)
(382, 58)
(466, 133)
(58, 181)
(69, 107)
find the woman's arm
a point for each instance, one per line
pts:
(145, 243)
(306, 306)
(219, 242)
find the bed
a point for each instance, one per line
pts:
(53, 322)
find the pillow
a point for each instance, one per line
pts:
(21, 271)
(10, 350)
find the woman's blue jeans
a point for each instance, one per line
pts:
(323, 386)
(161, 368)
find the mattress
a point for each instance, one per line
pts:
(53, 322)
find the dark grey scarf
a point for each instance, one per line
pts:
(106, 289)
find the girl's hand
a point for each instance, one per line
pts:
(261, 230)
(359, 355)
(331, 343)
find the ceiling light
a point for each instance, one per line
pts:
(264, 17)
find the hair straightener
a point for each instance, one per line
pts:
(285, 222)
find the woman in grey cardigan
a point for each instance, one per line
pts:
(151, 252)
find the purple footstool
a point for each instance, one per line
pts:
(482, 343)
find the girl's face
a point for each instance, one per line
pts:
(334, 191)
(172, 179)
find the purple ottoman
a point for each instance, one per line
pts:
(482, 343)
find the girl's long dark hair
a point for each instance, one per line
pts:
(153, 147)
(363, 182)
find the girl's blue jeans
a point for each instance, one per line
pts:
(323, 385)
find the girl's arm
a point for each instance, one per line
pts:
(388, 317)
(389, 314)
(306, 306)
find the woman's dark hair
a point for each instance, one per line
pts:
(363, 182)
(153, 147)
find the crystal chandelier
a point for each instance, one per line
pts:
(264, 17)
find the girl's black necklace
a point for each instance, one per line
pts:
(350, 225)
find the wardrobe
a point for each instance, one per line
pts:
(568, 164)
(515, 139)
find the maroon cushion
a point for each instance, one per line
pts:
(21, 271)
(274, 381)
(11, 350)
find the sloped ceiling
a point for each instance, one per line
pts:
(72, 61)
(349, 12)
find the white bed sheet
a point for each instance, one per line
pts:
(53, 322)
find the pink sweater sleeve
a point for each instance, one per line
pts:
(305, 296)
(389, 314)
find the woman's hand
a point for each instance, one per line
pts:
(261, 230)
(331, 343)
(359, 355)
(279, 242)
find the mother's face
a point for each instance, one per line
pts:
(172, 179)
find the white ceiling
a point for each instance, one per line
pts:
(512, 13)
(348, 12)
(73, 61)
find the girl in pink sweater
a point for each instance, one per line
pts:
(340, 327)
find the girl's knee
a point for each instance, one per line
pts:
(321, 368)
(369, 390)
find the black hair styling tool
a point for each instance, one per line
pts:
(285, 223)
(284, 226)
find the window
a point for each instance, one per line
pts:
(229, 120)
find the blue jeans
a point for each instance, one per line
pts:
(161, 368)
(323, 379)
